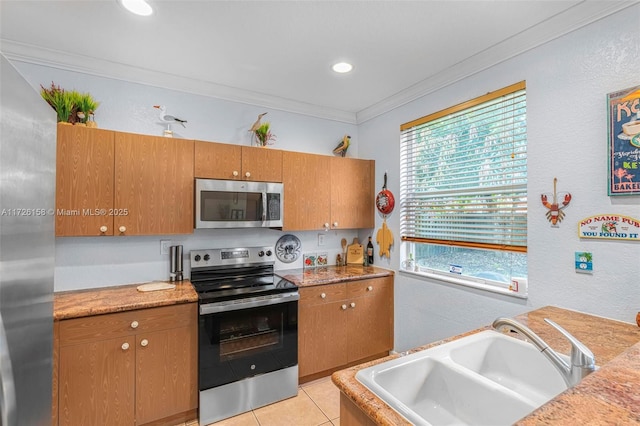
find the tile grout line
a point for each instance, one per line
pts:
(319, 408)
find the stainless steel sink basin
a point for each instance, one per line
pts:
(483, 379)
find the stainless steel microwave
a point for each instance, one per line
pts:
(238, 204)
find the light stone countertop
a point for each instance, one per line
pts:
(610, 395)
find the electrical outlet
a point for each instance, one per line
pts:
(164, 246)
(320, 239)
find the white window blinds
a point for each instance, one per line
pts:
(464, 174)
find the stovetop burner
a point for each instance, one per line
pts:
(226, 274)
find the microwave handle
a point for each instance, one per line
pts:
(264, 207)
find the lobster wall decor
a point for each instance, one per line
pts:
(555, 213)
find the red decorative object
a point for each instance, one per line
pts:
(384, 200)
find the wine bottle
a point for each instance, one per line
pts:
(370, 252)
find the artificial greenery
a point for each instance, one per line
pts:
(263, 134)
(71, 106)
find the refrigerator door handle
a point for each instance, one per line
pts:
(7, 386)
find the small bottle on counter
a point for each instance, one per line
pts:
(369, 255)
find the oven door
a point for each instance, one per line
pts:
(243, 338)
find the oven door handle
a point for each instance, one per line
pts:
(217, 307)
(264, 207)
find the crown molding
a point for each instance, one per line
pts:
(563, 23)
(37, 55)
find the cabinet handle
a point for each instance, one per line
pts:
(122, 229)
(344, 307)
(353, 304)
(323, 295)
(247, 174)
(370, 288)
(144, 342)
(125, 346)
(134, 324)
(103, 229)
(235, 173)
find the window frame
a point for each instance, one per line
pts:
(518, 286)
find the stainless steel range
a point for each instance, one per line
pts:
(247, 332)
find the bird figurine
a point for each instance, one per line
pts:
(169, 119)
(343, 146)
(256, 125)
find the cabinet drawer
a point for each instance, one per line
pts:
(100, 327)
(368, 287)
(323, 294)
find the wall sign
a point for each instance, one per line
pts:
(610, 227)
(624, 141)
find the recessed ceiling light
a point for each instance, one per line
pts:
(139, 7)
(342, 67)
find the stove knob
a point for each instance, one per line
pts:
(197, 258)
(269, 253)
(261, 253)
(207, 257)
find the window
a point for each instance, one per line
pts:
(463, 193)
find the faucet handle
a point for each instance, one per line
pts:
(581, 356)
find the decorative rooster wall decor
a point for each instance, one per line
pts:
(555, 213)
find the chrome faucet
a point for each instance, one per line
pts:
(583, 361)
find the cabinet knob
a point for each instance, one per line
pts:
(335, 224)
(125, 346)
(122, 229)
(326, 226)
(323, 295)
(144, 342)
(247, 174)
(344, 307)
(235, 173)
(353, 304)
(103, 229)
(134, 324)
(370, 288)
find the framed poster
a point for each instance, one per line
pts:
(624, 141)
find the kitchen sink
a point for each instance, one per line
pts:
(486, 378)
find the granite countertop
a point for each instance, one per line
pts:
(332, 274)
(609, 395)
(105, 300)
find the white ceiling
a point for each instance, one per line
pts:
(279, 53)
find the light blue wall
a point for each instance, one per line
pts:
(567, 83)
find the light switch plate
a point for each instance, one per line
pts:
(164, 246)
(320, 239)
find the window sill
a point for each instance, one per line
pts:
(478, 284)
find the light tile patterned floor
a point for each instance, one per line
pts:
(317, 404)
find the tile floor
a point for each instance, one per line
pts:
(317, 404)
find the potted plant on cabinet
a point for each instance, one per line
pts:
(59, 100)
(263, 134)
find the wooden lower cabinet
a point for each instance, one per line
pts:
(343, 324)
(129, 368)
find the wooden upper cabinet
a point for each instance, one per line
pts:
(154, 185)
(323, 192)
(235, 162)
(84, 181)
(113, 183)
(307, 195)
(352, 193)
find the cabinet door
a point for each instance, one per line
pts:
(370, 318)
(352, 193)
(261, 164)
(166, 373)
(84, 181)
(307, 192)
(322, 337)
(218, 160)
(154, 185)
(97, 383)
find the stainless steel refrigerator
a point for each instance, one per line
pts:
(27, 250)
